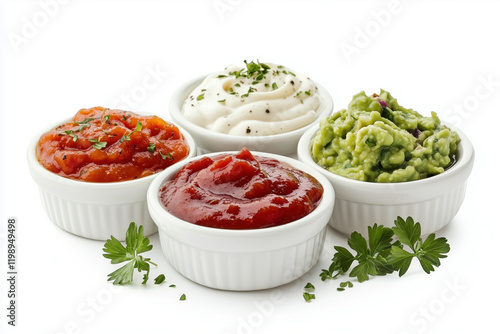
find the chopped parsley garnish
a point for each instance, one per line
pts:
(151, 148)
(308, 296)
(256, 70)
(138, 128)
(83, 124)
(98, 144)
(165, 156)
(125, 137)
(71, 134)
(343, 285)
(250, 90)
(160, 279)
(308, 292)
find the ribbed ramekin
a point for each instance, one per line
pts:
(242, 259)
(212, 141)
(90, 209)
(433, 201)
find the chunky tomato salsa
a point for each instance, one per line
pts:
(240, 191)
(104, 145)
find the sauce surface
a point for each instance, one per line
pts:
(240, 191)
(104, 145)
(259, 99)
(377, 140)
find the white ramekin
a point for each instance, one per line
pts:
(211, 141)
(90, 209)
(242, 259)
(433, 202)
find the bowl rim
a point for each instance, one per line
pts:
(465, 156)
(155, 204)
(41, 171)
(183, 91)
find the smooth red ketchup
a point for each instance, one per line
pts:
(240, 191)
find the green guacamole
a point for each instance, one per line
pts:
(377, 140)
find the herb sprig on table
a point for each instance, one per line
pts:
(136, 244)
(381, 255)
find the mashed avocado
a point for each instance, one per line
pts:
(377, 140)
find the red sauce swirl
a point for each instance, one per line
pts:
(240, 191)
(104, 145)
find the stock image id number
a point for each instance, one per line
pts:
(11, 244)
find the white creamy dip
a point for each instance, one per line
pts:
(257, 100)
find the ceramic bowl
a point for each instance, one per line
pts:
(211, 141)
(90, 209)
(242, 260)
(433, 201)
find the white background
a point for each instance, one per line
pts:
(60, 56)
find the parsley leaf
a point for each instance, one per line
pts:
(371, 255)
(380, 255)
(136, 244)
(380, 238)
(427, 252)
(407, 231)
